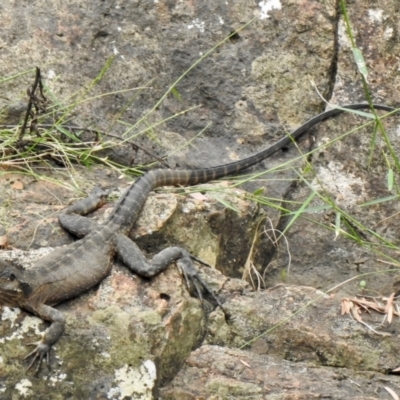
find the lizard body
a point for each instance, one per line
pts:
(73, 269)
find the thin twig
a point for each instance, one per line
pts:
(36, 102)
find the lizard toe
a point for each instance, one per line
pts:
(42, 350)
(191, 275)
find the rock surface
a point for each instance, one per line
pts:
(213, 372)
(129, 338)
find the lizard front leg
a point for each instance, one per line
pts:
(50, 336)
(132, 257)
(72, 220)
(76, 225)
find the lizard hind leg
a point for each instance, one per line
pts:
(133, 258)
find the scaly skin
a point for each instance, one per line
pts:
(73, 269)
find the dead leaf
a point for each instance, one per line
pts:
(392, 393)
(389, 302)
(355, 312)
(355, 306)
(346, 306)
(390, 313)
(245, 363)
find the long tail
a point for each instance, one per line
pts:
(131, 202)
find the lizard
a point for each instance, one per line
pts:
(73, 269)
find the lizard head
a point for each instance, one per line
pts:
(12, 286)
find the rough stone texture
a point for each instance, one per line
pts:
(246, 88)
(314, 331)
(375, 27)
(252, 89)
(347, 180)
(352, 171)
(112, 334)
(128, 325)
(213, 372)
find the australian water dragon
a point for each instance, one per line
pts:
(71, 270)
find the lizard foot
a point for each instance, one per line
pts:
(42, 350)
(191, 274)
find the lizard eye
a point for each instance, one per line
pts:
(12, 277)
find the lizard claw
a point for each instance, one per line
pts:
(38, 354)
(191, 275)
